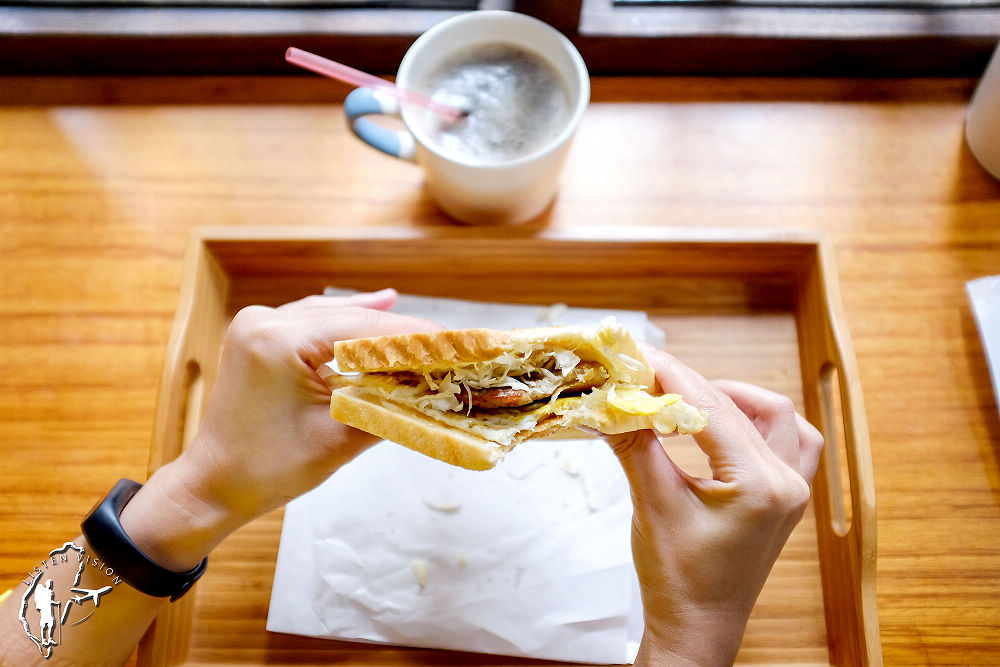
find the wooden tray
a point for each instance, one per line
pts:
(758, 307)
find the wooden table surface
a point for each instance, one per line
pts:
(101, 180)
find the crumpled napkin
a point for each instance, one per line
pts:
(529, 559)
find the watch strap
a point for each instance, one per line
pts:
(108, 539)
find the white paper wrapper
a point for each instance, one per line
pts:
(529, 559)
(984, 296)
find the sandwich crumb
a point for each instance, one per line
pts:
(419, 567)
(521, 472)
(572, 467)
(588, 492)
(443, 506)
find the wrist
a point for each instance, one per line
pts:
(175, 520)
(712, 642)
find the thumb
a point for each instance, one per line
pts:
(316, 329)
(383, 299)
(649, 469)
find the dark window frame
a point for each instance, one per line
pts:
(622, 40)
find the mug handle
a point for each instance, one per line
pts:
(363, 102)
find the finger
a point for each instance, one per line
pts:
(810, 448)
(772, 414)
(380, 300)
(732, 444)
(349, 441)
(648, 468)
(317, 329)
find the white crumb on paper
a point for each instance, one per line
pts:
(446, 507)
(419, 567)
(572, 466)
(444, 498)
(460, 561)
(518, 469)
(588, 492)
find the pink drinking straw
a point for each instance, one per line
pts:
(356, 77)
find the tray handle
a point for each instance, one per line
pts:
(844, 489)
(195, 337)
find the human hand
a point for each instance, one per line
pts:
(267, 435)
(704, 547)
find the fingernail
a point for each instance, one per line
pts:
(379, 295)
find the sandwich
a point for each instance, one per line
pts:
(469, 396)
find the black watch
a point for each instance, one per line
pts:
(106, 537)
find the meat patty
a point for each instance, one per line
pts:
(586, 375)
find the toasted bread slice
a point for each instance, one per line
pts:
(413, 429)
(420, 350)
(610, 344)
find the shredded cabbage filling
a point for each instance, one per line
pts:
(540, 372)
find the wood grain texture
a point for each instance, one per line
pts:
(96, 203)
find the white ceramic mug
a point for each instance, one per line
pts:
(506, 192)
(982, 122)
